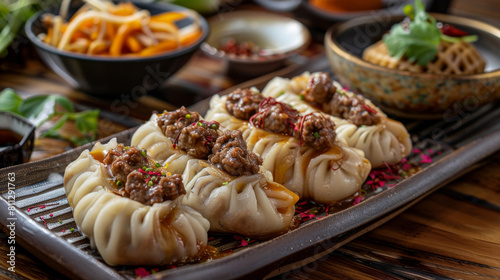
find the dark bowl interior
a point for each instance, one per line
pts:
(365, 31)
(19, 152)
(107, 77)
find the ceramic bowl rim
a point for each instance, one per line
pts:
(213, 51)
(26, 136)
(334, 45)
(108, 59)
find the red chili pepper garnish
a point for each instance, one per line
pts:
(301, 128)
(265, 107)
(452, 31)
(369, 109)
(339, 165)
(41, 217)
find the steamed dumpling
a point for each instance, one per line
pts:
(359, 123)
(323, 175)
(126, 231)
(226, 185)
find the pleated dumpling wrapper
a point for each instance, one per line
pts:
(223, 180)
(301, 152)
(359, 123)
(129, 223)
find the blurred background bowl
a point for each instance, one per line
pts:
(109, 77)
(278, 38)
(17, 139)
(407, 94)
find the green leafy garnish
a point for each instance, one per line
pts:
(41, 108)
(13, 14)
(418, 39)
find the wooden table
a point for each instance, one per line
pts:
(452, 234)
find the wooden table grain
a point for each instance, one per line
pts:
(453, 233)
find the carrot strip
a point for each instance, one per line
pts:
(190, 38)
(48, 38)
(123, 31)
(98, 47)
(110, 31)
(133, 44)
(124, 9)
(169, 17)
(64, 27)
(78, 35)
(162, 46)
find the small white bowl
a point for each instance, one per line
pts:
(277, 37)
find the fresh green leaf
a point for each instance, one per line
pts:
(419, 39)
(87, 121)
(15, 19)
(52, 132)
(40, 108)
(408, 10)
(202, 6)
(469, 38)
(10, 101)
(80, 140)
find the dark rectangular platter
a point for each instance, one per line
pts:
(43, 217)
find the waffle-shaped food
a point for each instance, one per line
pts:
(459, 58)
(358, 122)
(301, 151)
(421, 45)
(223, 180)
(129, 207)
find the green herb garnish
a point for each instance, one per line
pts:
(316, 135)
(41, 108)
(419, 38)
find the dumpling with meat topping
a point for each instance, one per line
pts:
(359, 123)
(301, 151)
(130, 208)
(223, 180)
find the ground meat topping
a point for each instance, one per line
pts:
(230, 154)
(317, 131)
(198, 139)
(121, 161)
(171, 123)
(320, 89)
(148, 192)
(353, 108)
(276, 117)
(243, 103)
(135, 175)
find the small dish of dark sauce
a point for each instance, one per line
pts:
(17, 139)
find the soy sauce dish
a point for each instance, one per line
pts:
(254, 43)
(411, 94)
(17, 138)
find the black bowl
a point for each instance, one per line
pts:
(109, 77)
(20, 152)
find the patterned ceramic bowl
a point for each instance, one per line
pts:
(17, 138)
(406, 94)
